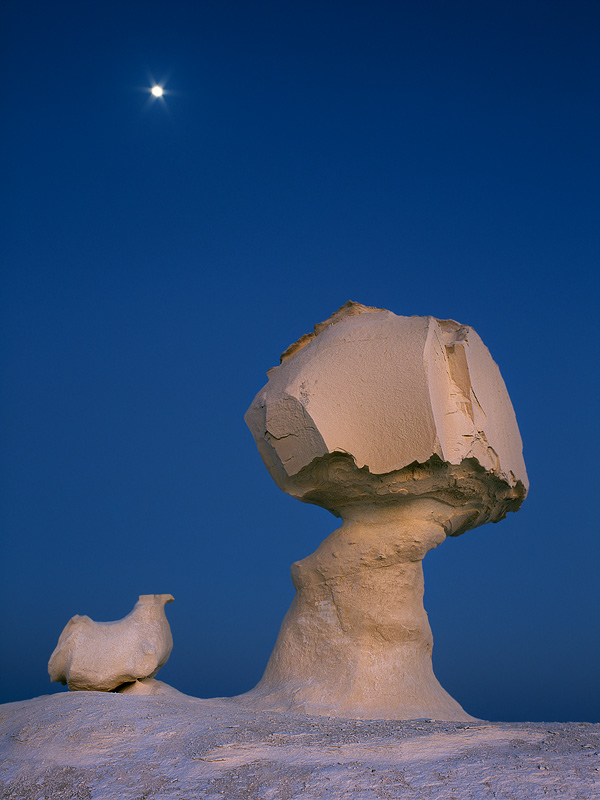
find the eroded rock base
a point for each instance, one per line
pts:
(356, 641)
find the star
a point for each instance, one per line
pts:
(157, 91)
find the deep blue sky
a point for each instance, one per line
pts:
(427, 157)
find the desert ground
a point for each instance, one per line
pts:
(100, 746)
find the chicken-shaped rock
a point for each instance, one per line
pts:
(103, 656)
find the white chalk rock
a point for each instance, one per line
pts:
(149, 686)
(101, 656)
(401, 426)
(388, 392)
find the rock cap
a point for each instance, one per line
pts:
(370, 404)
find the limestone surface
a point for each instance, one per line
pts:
(102, 746)
(106, 656)
(389, 391)
(403, 427)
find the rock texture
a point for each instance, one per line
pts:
(108, 656)
(390, 391)
(98, 746)
(401, 426)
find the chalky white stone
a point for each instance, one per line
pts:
(401, 426)
(103, 656)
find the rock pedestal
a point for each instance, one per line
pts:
(402, 427)
(356, 641)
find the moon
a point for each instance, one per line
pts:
(157, 91)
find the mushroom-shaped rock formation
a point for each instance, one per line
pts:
(105, 656)
(401, 426)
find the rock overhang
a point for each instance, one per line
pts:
(383, 394)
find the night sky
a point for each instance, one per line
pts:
(159, 254)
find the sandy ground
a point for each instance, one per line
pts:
(92, 746)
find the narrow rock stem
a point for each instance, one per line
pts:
(356, 641)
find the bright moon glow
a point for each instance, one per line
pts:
(157, 91)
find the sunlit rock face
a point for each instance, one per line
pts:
(103, 656)
(403, 427)
(387, 392)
